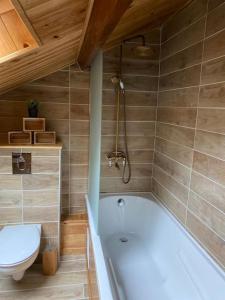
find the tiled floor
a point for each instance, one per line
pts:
(70, 282)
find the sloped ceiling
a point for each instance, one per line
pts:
(59, 25)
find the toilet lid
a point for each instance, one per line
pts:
(17, 243)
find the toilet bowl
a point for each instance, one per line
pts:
(19, 247)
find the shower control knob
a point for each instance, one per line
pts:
(110, 163)
(124, 162)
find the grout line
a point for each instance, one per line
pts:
(209, 203)
(208, 178)
(183, 29)
(169, 175)
(180, 70)
(206, 225)
(197, 113)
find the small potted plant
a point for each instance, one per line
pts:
(33, 108)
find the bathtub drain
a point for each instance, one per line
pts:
(123, 240)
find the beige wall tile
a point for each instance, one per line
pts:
(136, 98)
(134, 143)
(77, 199)
(214, 3)
(179, 172)
(61, 111)
(10, 198)
(40, 214)
(10, 182)
(177, 152)
(183, 59)
(186, 97)
(79, 80)
(10, 215)
(79, 96)
(180, 79)
(42, 181)
(216, 20)
(131, 66)
(59, 78)
(40, 198)
(191, 35)
(79, 127)
(177, 189)
(178, 116)
(79, 157)
(213, 47)
(79, 171)
(44, 165)
(208, 238)
(78, 185)
(43, 94)
(180, 135)
(133, 113)
(110, 185)
(210, 167)
(209, 190)
(210, 143)
(211, 120)
(6, 165)
(138, 170)
(212, 95)
(60, 126)
(144, 128)
(213, 71)
(208, 214)
(184, 18)
(79, 112)
(132, 82)
(176, 207)
(79, 143)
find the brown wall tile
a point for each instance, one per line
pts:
(211, 119)
(187, 97)
(180, 135)
(210, 167)
(180, 79)
(178, 116)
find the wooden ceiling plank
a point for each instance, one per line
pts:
(18, 31)
(5, 5)
(102, 17)
(7, 45)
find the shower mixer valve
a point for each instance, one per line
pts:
(115, 157)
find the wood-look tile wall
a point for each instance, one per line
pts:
(64, 102)
(140, 78)
(32, 198)
(189, 161)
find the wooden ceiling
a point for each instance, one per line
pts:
(63, 26)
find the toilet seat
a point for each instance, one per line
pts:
(18, 243)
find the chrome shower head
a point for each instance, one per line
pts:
(141, 50)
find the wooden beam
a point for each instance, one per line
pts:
(102, 17)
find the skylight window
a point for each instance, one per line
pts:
(15, 37)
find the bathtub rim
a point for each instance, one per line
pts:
(104, 287)
(194, 240)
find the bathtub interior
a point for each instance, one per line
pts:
(159, 253)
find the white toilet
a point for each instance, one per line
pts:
(19, 247)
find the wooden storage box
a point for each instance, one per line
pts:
(45, 138)
(19, 138)
(33, 124)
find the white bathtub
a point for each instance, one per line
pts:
(149, 256)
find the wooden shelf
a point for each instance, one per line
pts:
(44, 138)
(19, 138)
(33, 124)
